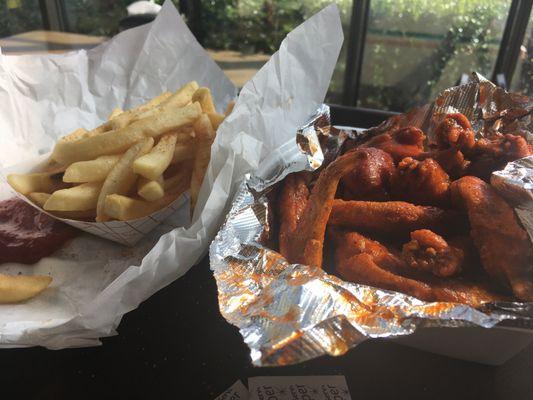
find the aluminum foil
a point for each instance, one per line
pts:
(289, 313)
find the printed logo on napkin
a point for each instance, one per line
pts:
(298, 388)
(236, 392)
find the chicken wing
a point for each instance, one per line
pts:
(491, 154)
(455, 131)
(421, 182)
(307, 242)
(399, 143)
(503, 245)
(452, 161)
(391, 217)
(429, 252)
(292, 203)
(370, 177)
(361, 260)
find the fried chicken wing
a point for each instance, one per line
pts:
(361, 260)
(307, 242)
(391, 217)
(429, 252)
(399, 143)
(503, 245)
(491, 154)
(292, 203)
(421, 182)
(370, 176)
(452, 161)
(455, 131)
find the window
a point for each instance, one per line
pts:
(523, 76)
(397, 54)
(94, 17)
(241, 35)
(17, 16)
(414, 49)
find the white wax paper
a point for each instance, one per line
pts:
(43, 97)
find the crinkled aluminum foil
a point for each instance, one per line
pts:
(289, 313)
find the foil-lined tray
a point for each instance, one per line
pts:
(289, 313)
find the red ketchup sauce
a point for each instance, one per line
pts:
(27, 235)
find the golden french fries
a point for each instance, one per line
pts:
(150, 190)
(204, 138)
(39, 198)
(90, 171)
(229, 108)
(75, 135)
(180, 179)
(153, 152)
(216, 119)
(35, 182)
(125, 208)
(183, 152)
(77, 198)
(114, 142)
(16, 288)
(203, 96)
(182, 97)
(122, 178)
(117, 111)
(153, 164)
(137, 162)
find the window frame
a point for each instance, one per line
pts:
(54, 18)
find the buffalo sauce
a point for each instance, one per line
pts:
(27, 235)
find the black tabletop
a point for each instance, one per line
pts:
(178, 346)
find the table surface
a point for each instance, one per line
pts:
(177, 343)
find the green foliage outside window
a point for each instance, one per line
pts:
(414, 48)
(17, 16)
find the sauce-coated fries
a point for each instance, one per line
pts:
(132, 165)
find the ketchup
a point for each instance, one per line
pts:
(27, 235)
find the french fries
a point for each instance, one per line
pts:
(77, 198)
(90, 171)
(125, 208)
(229, 108)
(182, 97)
(204, 138)
(183, 152)
(203, 96)
(75, 135)
(16, 288)
(39, 198)
(121, 178)
(114, 142)
(180, 179)
(116, 112)
(150, 190)
(152, 165)
(216, 119)
(137, 162)
(36, 182)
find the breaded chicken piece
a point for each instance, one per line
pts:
(504, 246)
(399, 143)
(370, 178)
(421, 182)
(391, 217)
(429, 252)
